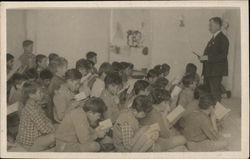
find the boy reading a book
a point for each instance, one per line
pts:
(36, 131)
(60, 66)
(141, 87)
(63, 99)
(200, 129)
(168, 137)
(99, 84)
(127, 134)
(186, 96)
(77, 132)
(84, 66)
(113, 82)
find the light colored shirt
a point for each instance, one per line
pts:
(97, 88)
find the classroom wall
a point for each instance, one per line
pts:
(72, 33)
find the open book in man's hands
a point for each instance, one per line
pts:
(221, 111)
(175, 114)
(12, 108)
(80, 96)
(105, 124)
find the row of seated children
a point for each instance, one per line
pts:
(51, 115)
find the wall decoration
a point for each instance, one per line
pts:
(134, 38)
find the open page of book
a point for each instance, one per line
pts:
(175, 91)
(106, 124)
(175, 114)
(221, 111)
(80, 96)
(12, 108)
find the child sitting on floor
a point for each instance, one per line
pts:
(200, 129)
(186, 96)
(168, 136)
(64, 99)
(141, 87)
(151, 76)
(161, 83)
(36, 131)
(60, 66)
(77, 132)
(113, 82)
(127, 135)
(99, 84)
(41, 63)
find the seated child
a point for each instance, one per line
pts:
(64, 98)
(28, 59)
(16, 89)
(166, 69)
(46, 102)
(52, 59)
(191, 69)
(113, 82)
(41, 63)
(36, 131)
(127, 134)
(168, 136)
(186, 96)
(159, 70)
(117, 67)
(84, 66)
(60, 66)
(99, 84)
(151, 76)
(141, 87)
(200, 129)
(92, 56)
(127, 72)
(76, 132)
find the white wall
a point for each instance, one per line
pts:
(71, 33)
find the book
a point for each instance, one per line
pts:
(105, 124)
(196, 54)
(80, 96)
(221, 111)
(12, 108)
(175, 114)
(175, 91)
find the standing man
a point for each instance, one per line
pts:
(214, 59)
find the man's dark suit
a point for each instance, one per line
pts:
(217, 65)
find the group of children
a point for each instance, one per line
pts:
(51, 113)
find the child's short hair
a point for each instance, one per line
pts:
(206, 101)
(58, 62)
(142, 104)
(39, 58)
(187, 80)
(126, 65)
(117, 66)
(151, 74)
(104, 68)
(95, 105)
(27, 43)
(191, 68)
(53, 56)
(113, 78)
(140, 85)
(158, 69)
(90, 55)
(31, 74)
(83, 64)
(73, 74)
(46, 74)
(159, 95)
(9, 57)
(161, 82)
(165, 67)
(29, 87)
